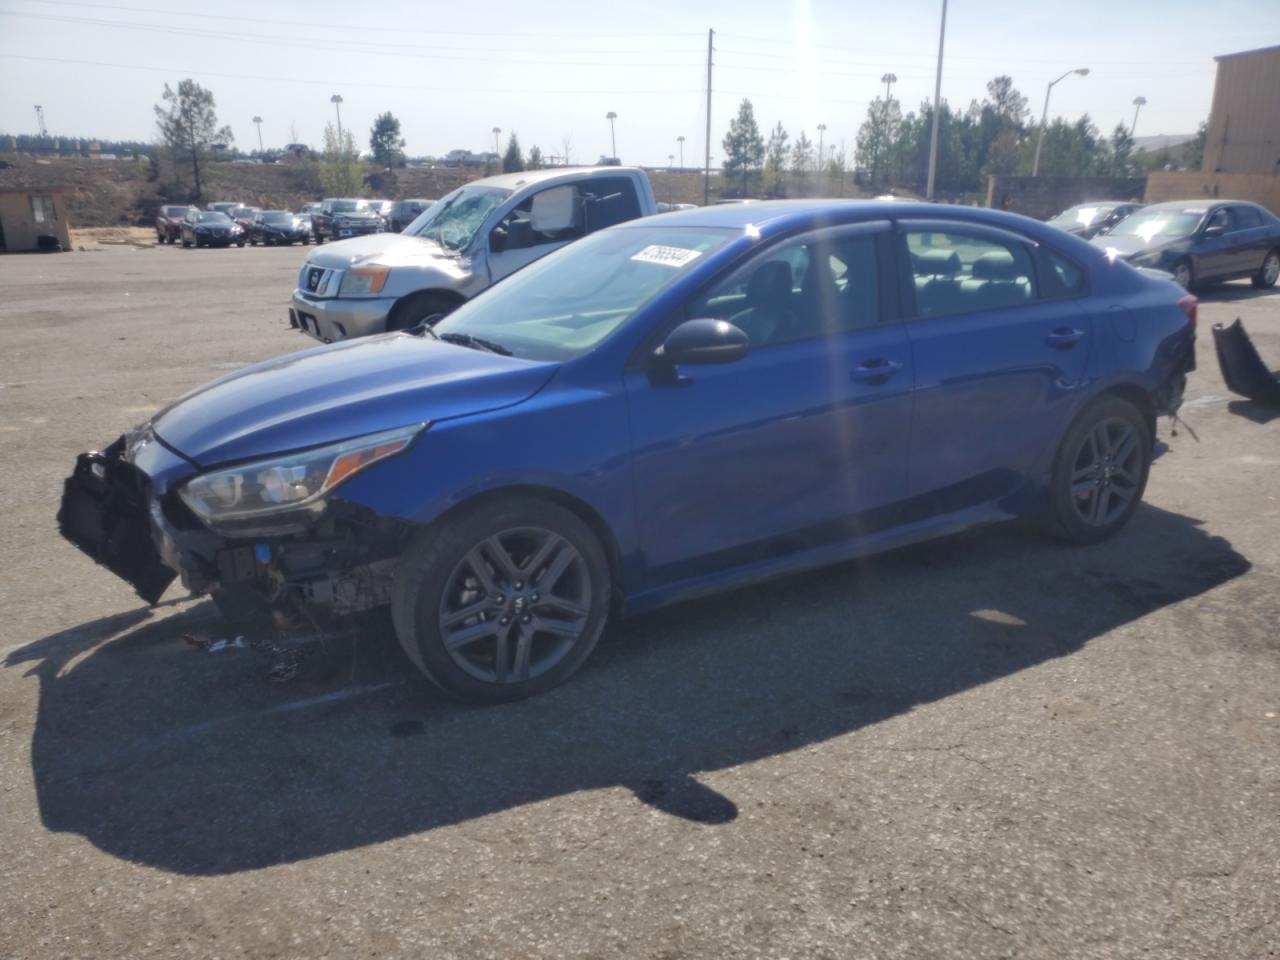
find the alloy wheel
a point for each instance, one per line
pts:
(1106, 472)
(515, 605)
(1182, 274)
(1271, 269)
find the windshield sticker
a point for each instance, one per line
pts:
(667, 256)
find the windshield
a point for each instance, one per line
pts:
(212, 216)
(347, 206)
(1167, 223)
(1082, 215)
(177, 212)
(277, 216)
(564, 304)
(243, 211)
(454, 221)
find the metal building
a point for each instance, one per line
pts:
(33, 220)
(1244, 123)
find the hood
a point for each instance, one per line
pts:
(1127, 246)
(340, 391)
(388, 249)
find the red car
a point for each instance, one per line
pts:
(169, 222)
(244, 216)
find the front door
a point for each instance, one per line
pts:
(1001, 344)
(797, 444)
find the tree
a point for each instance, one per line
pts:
(512, 160)
(802, 155)
(385, 140)
(743, 145)
(339, 168)
(1193, 155)
(775, 161)
(535, 161)
(1121, 160)
(1003, 119)
(878, 133)
(189, 121)
(566, 149)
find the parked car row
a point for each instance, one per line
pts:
(335, 218)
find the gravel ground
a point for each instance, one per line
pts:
(987, 746)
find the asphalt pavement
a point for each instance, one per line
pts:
(987, 746)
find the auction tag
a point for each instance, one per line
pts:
(667, 256)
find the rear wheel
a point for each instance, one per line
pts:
(1100, 472)
(1182, 274)
(1269, 272)
(502, 602)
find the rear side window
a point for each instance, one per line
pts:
(955, 273)
(1062, 278)
(1247, 218)
(609, 200)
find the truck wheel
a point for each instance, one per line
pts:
(504, 601)
(1100, 472)
(413, 309)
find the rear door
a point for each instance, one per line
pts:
(1250, 240)
(1000, 341)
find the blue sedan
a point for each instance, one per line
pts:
(667, 407)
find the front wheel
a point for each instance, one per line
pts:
(1182, 274)
(1269, 272)
(503, 602)
(1100, 472)
(413, 310)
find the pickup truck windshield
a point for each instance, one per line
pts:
(348, 206)
(564, 304)
(454, 221)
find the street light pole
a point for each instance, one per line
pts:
(680, 140)
(889, 79)
(613, 138)
(822, 129)
(937, 107)
(336, 100)
(258, 121)
(496, 147)
(1044, 117)
(1138, 104)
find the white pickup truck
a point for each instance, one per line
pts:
(460, 245)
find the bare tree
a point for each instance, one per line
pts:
(566, 148)
(189, 122)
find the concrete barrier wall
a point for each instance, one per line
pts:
(1043, 197)
(1170, 185)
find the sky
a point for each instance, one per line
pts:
(548, 71)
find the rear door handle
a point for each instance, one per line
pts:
(875, 371)
(1064, 337)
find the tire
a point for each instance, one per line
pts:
(1094, 490)
(186, 244)
(1183, 275)
(510, 653)
(240, 244)
(415, 308)
(1269, 272)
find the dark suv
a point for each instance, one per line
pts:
(342, 217)
(404, 212)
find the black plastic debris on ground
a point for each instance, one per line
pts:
(1242, 368)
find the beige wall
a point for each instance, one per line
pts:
(1180, 185)
(1244, 124)
(18, 225)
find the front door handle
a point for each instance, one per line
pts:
(1064, 337)
(875, 371)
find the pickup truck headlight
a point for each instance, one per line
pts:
(283, 494)
(363, 281)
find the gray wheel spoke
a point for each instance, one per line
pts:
(539, 560)
(502, 559)
(1125, 446)
(1098, 509)
(465, 613)
(501, 655)
(524, 648)
(1084, 488)
(563, 605)
(1125, 478)
(467, 635)
(561, 628)
(476, 561)
(557, 567)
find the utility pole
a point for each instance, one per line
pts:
(1138, 104)
(937, 108)
(40, 120)
(258, 121)
(706, 170)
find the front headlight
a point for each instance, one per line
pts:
(283, 494)
(364, 281)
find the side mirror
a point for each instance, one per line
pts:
(497, 240)
(1214, 230)
(702, 341)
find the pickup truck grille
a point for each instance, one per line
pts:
(319, 281)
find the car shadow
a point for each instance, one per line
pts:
(1233, 291)
(164, 754)
(1253, 410)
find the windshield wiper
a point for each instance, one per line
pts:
(476, 343)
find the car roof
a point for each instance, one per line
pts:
(775, 216)
(524, 178)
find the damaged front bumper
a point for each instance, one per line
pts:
(120, 507)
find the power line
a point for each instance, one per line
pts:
(383, 29)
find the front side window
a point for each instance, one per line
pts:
(554, 215)
(1220, 219)
(565, 303)
(801, 289)
(1164, 222)
(955, 273)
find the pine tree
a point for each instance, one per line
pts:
(512, 160)
(743, 146)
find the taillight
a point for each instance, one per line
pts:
(1188, 304)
